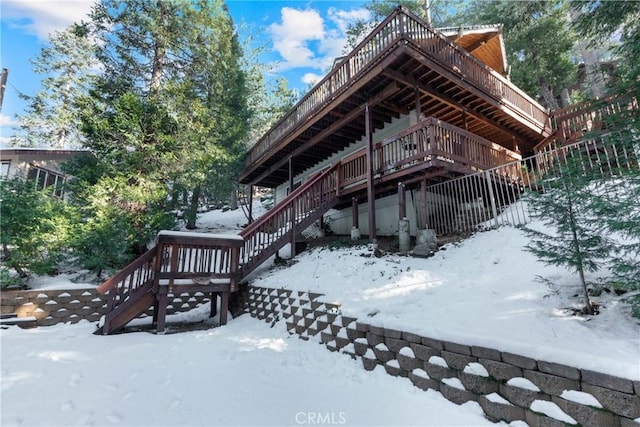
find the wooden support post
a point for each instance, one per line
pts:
(250, 203)
(290, 175)
(355, 216)
(224, 307)
(371, 195)
(423, 191)
(402, 201)
(162, 298)
(293, 229)
(214, 304)
(418, 107)
(292, 237)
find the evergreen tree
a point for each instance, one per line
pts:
(170, 110)
(570, 205)
(599, 21)
(538, 41)
(68, 63)
(36, 228)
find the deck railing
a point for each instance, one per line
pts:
(178, 259)
(590, 118)
(197, 258)
(428, 141)
(400, 25)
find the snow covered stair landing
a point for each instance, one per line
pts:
(507, 386)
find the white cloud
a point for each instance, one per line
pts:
(8, 121)
(43, 17)
(342, 18)
(291, 37)
(310, 78)
(303, 38)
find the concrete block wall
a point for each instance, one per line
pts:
(507, 386)
(50, 307)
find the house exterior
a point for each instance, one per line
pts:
(408, 111)
(409, 105)
(39, 164)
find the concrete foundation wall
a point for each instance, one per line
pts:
(454, 369)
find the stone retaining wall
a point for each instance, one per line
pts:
(507, 386)
(50, 307)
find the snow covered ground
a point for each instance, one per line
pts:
(245, 373)
(482, 291)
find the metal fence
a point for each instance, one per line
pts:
(489, 199)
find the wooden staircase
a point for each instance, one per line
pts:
(211, 264)
(589, 120)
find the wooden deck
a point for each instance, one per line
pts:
(589, 119)
(194, 262)
(403, 65)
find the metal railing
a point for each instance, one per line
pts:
(488, 199)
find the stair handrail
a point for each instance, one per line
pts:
(547, 142)
(137, 275)
(269, 233)
(113, 281)
(575, 121)
(287, 200)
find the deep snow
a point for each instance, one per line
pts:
(482, 291)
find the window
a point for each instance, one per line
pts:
(43, 178)
(4, 171)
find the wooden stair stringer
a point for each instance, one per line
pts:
(278, 244)
(134, 306)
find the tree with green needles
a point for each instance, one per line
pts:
(569, 205)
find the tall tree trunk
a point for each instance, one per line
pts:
(233, 203)
(578, 252)
(159, 54)
(192, 210)
(549, 98)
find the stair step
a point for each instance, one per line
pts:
(8, 316)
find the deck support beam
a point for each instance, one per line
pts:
(355, 216)
(431, 91)
(293, 211)
(402, 201)
(423, 193)
(161, 304)
(250, 203)
(371, 194)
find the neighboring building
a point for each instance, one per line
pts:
(38, 164)
(409, 105)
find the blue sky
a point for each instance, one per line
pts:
(302, 37)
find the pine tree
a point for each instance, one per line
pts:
(68, 63)
(167, 117)
(569, 206)
(602, 20)
(538, 40)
